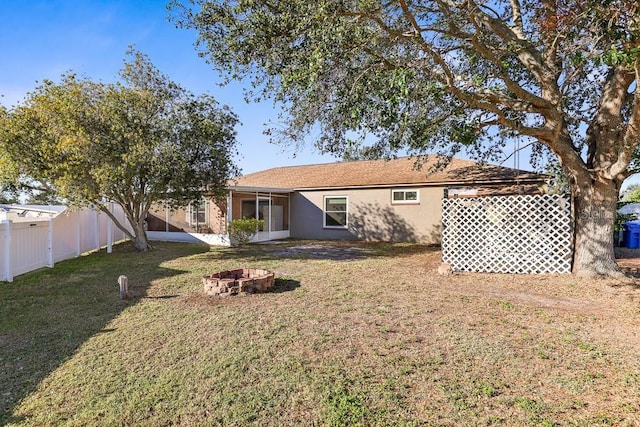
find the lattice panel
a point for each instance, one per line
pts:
(508, 234)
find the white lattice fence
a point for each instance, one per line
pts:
(508, 234)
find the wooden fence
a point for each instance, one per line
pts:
(508, 234)
(27, 244)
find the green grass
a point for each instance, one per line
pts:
(367, 338)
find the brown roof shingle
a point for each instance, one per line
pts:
(373, 173)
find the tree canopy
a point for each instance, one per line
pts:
(631, 194)
(444, 76)
(138, 141)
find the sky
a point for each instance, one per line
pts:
(44, 39)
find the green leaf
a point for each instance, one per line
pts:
(138, 141)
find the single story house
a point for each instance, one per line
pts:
(377, 200)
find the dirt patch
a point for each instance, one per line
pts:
(606, 310)
(320, 251)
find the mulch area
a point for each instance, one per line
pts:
(628, 260)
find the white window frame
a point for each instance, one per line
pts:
(325, 211)
(192, 213)
(404, 201)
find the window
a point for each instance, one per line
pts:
(335, 212)
(405, 196)
(198, 213)
(197, 216)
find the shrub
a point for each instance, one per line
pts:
(242, 230)
(621, 219)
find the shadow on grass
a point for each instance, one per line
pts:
(327, 250)
(46, 315)
(284, 285)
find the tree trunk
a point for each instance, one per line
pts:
(595, 210)
(138, 235)
(140, 240)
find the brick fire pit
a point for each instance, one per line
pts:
(241, 281)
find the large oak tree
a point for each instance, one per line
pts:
(446, 75)
(136, 142)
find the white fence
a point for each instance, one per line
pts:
(508, 234)
(31, 243)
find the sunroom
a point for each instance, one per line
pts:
(272, 206)
(208, 220)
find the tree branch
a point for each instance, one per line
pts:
(535, 101)
(516, 16)
(630, 137)
(103, 208)
(609, 141)
(526, 52)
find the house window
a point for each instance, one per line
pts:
(335, 212)
(405, 197)
(197, 216)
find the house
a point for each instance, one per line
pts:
(378, 200)
(29, 212)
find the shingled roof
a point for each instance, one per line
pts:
(382, 173)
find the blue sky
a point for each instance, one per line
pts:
(43, 39)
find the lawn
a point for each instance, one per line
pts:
(352, 334)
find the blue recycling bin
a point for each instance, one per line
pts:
(632, 235)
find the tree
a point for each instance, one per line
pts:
(631, 194)
(43, 198)
(7, 197)
(138, 141)
(441, 76)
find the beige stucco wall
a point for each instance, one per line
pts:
(371, 216)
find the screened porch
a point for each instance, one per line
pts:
(272, 207)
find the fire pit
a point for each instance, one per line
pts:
(241, 281)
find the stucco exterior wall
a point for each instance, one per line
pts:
(371, 215)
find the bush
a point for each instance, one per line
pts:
(621, 219)
(243, 230)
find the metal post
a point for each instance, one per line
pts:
(289, 213)
(269, 219)
(257, 215)
(229, 216)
